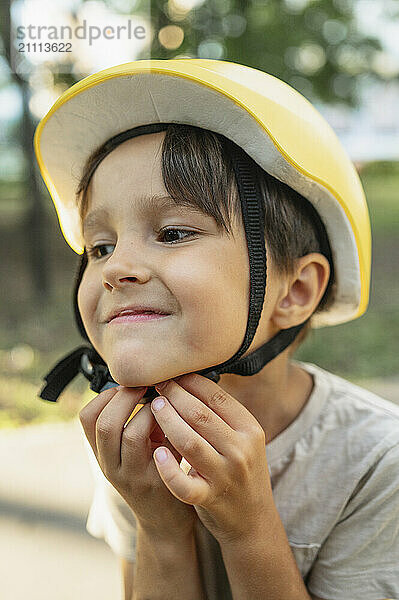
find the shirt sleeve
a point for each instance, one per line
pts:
(360, 557)
(110, 517)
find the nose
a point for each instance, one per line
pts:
(125, 264)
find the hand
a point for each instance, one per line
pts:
(228, 484)
(125, 455)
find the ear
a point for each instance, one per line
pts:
(303, 291)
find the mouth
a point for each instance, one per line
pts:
(142, 317)
(135, 313)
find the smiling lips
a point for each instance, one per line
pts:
(129, 318)
(136, 314)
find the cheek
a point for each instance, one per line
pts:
(87, 300)
(215, 300)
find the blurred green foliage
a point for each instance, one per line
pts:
(314, 45)
(368, 346)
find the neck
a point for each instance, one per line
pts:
(275, 396)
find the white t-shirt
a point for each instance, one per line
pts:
(335, 480)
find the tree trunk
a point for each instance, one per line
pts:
(35, 224)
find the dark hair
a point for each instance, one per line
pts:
(197, 171)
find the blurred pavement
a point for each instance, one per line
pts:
(46, 487)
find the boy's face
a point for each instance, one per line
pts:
(201, 280)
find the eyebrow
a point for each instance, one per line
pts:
(155, 203)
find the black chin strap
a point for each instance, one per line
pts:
(252, 206)
(81, 360)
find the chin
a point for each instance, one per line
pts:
(142, 373)
(135, 367)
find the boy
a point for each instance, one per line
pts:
(274, 527)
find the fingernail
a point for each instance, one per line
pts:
(158, 403)
(161, 455)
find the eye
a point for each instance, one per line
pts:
(170, 232)
(95, 252)
(92, 251)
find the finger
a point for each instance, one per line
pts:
(89, 414)
(201, 418)
(142, 430)
(167, 443)
(110, 425)
(219, 401)
(191, 488)
(195, 449)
